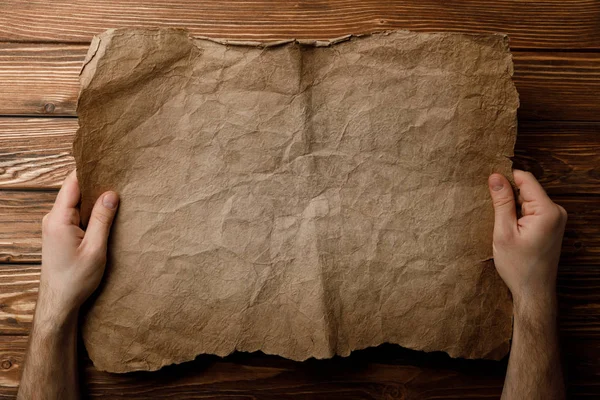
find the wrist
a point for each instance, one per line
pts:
(538, 309)
(52, 316)
(54, 324)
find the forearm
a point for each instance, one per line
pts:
(50, 370)
(534, 370)
(73, 262)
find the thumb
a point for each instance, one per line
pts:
(103, 213)
(504, 204)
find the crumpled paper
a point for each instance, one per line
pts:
(304, 199)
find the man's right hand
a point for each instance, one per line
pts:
(526, 253)
(527, 249)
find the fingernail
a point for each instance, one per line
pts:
(496, 183)
(110, 200)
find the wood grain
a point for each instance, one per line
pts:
(380, 373)
(565, 157)
(530, 24)
(35, 153)
(385, 372)
(581, 243)
(18, 294)
(579, 305)
(39, 80)
(12, 351)
(578, 293)
(21, 213)
(42, 79)
(558, 86)
(39, 77)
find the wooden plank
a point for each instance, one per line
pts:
(21, 213)
(18, 295)
(531, 24)
(12, 352)
(42, 79)
(565, 157)
(558, 86)
(372, 370)
(579, 304)
(384, 372)
(581, 243)
(578, 291)
(35, 154)
(380, 373)
(21, 216)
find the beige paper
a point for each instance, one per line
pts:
(302, 199)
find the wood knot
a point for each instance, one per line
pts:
(393, 392)
(6, 364)
(49, 108)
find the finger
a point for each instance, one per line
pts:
(529, 188)
(505, 213)
(527, 208)
(69, 194)
(101, 220)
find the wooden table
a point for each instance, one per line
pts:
(556, 45)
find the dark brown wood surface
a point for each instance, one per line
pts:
(42, 80)
(544, 24)
(556, 47)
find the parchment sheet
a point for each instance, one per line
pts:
(302, 199)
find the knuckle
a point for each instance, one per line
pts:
(528, 174)
(72, 214)
(557, 214)
(562, 215)
(45, 222)
(503, 201)
(102, 217)
(563, 212)
(49, 226)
